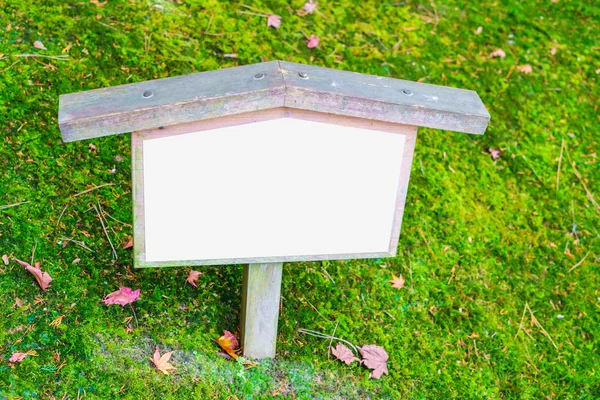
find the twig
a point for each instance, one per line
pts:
(579, 263)
(61, 214)
(327, 273)
(135, 316)
(106, 25)
(521, 323)
(537, 323)
(94, 188)
(33, 251)
(590, 195)
(77, 242)
(116, 220)
(106, 232)
(62, 58)
(331, 341)
(562, 147)
(13, 205)
(324, 336)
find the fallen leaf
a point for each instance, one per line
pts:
(42, 278)
(39, 45)
(17, 357)
(312, 42)
(18, 302)
(498, 53)
(193, 277)
(5, 259)
(229, 343)
(122, 297)
(375, 358)
(343, 354)
(162, 362)
(479, 30)
(274, 21)
(92, 147)
(397, 281)
(309, 6)
(526, 69)
(495, 153)
(66, 49)
(129, 244)
(98, 3)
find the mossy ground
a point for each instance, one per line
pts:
(480, 240)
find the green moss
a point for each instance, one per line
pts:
(481, 238)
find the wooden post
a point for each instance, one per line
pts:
(260, 309)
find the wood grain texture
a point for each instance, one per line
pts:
(384, 99)
(137, 139)
(231, 91)
(175, 100)
(261, 294)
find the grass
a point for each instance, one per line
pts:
(488, 246)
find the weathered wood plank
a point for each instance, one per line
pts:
(232, 91)
(170, 101)
(383, 99)
(261, 293)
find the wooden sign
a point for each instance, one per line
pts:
(268, 163)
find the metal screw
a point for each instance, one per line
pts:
(258, 77)
(407, 92)
(147, 94)
(303, 75)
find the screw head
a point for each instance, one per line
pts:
(407, 92)
(147, 94)
(258, 77)
(303, 75)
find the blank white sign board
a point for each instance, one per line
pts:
(278, 188)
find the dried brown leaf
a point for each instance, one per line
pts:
(229, 343)
(344, 354)
(375, 358)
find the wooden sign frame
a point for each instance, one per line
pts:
(137, 139)
(263, 92)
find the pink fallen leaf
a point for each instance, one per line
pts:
(17, 357)
(42, 278)
(309, 6)
(18, 302)
(129, 244)
(375, 358)
(526, 69)
(498, 53)
(122, 297)
(344, 354)
(312, 42)
(5, 259)
(39, 45)
(162, 362)
(397, 281)
(193, 277)
(495, 153)
(274, 21)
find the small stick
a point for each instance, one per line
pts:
(562, 147)
(33, 251)
(106, 232)
(579, 263)
(13, 205)
(324, 336)
(77, 242)
(136, 320)
(521, 323)
(61, 214)
(94, 188)
(327, 273)
(331, 341)
(62, 58)
(537, 323)
(116, 220)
